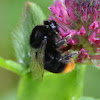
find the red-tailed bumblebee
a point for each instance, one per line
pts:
(45, 42)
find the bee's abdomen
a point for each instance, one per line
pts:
(69, 66)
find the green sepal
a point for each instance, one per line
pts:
(67, 86)
(32, 16)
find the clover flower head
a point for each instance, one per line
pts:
(81, 19)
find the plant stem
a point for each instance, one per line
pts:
(67, 86)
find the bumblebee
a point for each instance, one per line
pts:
(45, 44)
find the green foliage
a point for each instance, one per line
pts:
(11, 66)
(53, 87)
(11, 95)
(32, 16)
(87, 98)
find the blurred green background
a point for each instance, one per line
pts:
(10, 14)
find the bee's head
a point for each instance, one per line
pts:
(52, 26)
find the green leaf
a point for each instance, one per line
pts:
(32, 16)
(67, 86)
(11, 66)
(87, 98)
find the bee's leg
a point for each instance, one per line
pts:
(62, 41)
(68, 56)
(44, 41)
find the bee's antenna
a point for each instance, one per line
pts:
(68, 36)
(62, 27)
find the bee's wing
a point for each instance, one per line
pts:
(37, 59)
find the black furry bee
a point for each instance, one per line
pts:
(45, 42)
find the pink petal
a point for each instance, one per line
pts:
(95, 15)
(94, 25)
(60, 15)
(97, 43)
(75, 4)
(63, 1)
(92, 38)
(85, 6)
(72, 42)
(80, 8)
(82, 55)
(84, 17)
(56, 3)
(67, 3)
(50, 18)
(98, 31)
(63, 33)
(67, 21)
(96, 4)
(65, 17)
(90, 12)
(71, 14)
(74, 32)
(82, 31)
(52, 9)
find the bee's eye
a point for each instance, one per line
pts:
(52, 25)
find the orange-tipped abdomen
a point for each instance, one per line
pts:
(69, 66)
